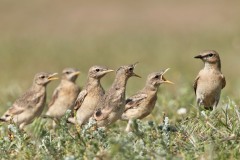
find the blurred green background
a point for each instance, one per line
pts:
(51, 35)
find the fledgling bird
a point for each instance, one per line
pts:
(210, 80)
(64, 95)
(112, 104)
(90, 96)
(31, 104)
(141, 104)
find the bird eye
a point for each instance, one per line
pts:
(210, 55)
(67, 72)
(97, 70)
(131, 69)
(157, 76)
(42, 77)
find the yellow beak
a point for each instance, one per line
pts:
(165, 80)
(76, 73)
(51, 77)
(109, 70)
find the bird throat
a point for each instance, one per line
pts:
(216, 66)
(120, 82)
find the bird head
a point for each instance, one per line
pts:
(128, 70)
(70, 74)
(98, 72)
(156, 78)
(44, 78)
(209, 56)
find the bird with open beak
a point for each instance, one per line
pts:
(143, 102)
(112, 104)
(210, 80)
(31, 104)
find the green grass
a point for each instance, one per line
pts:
(211, 136)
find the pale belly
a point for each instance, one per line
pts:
(208, 92)
(112, 117)
(87, 109)
(59, 108)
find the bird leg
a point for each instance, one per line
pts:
(71, 120)
(128, 128)
(55, 123)
(199, 105)
(215, 104)
(214, 107)
(21, 126)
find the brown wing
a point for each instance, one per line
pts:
(135, 101)
(223, 81)
(15, 110)
(195, 84)
(25, 101)
(80, 99)
(54, 97)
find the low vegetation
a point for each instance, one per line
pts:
(160, 136)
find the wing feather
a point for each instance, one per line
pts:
(134, 101)
(80, 99)
(223, 81)
(54, 97)
(22, 103)
(195, 84)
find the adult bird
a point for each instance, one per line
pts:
(210, 80)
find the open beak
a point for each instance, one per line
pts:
(134, 74)
(165, 71)
(52, 77)
(199, 56)
(135, 64)
(167, 81)
(164, 79)
(76, 73)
